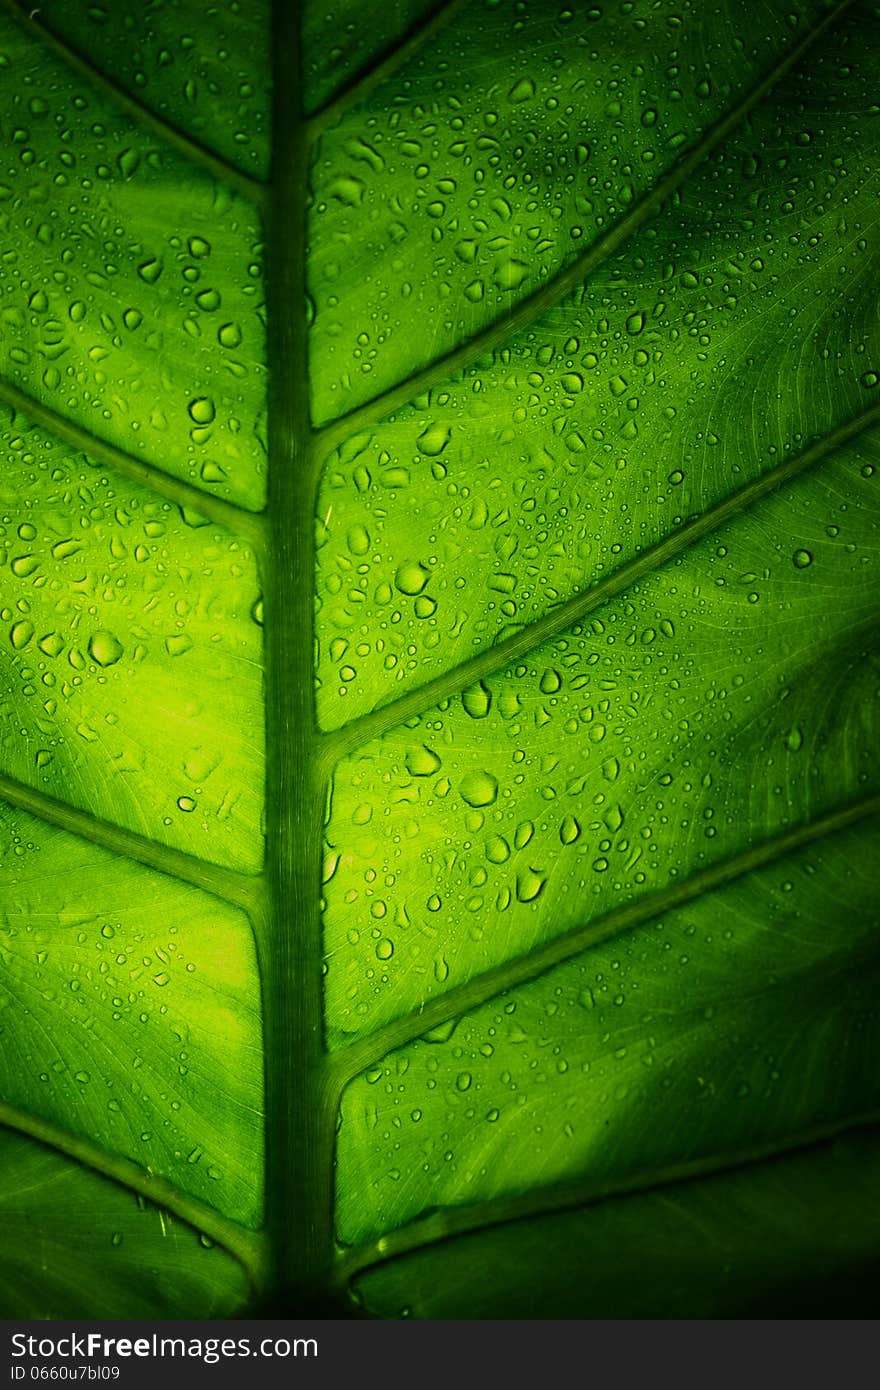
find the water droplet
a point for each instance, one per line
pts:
(347, 190)
(208, 300)
(128, 161)
(529, 884)
(442, 1033)
(613, 818)
(477, 701)
(105, 649)
(523, 834)
(52, 644)
(229, 335)
(497, 849)
(510, 274)
(211, 472)
(433, 440)
(479, 788)
(358, 540)
(411, 578)
(150, 270)
(202, 410)
(422, 761)
(523, 90)
(569, 830)
(551, 682)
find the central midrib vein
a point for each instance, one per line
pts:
(299, 1124)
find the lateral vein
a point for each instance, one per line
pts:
(340, 742)
(244, 1244)
(239, 889)
(248, 525)
(451, 1222)
(170, 134)
(382, 65)
(529, 309)
(353, 1059)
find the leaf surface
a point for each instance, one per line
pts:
(439, 457)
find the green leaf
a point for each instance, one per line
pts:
(79, 1247)
(439, 457)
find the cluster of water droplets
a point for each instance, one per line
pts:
(119, 694)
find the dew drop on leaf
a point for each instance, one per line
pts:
(411, 578)
(569, 830)
(178, 644)
(202, 410)
(477, 700)
(52, 644)
(529, 884)
(422, 761)
(497, 849)
(521, 91)
(510, 273)
(229, 335)
(479, 788)
(208, 300)
(358, 540)
(21, 633)
(434, 439)
(105, 648)
(150, 271)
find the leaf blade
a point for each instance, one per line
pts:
(716, 1034)
(582, 443)
(131, 1017)
(549, 803)
(345, 182)
(77, 1246)
(796, 1240)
